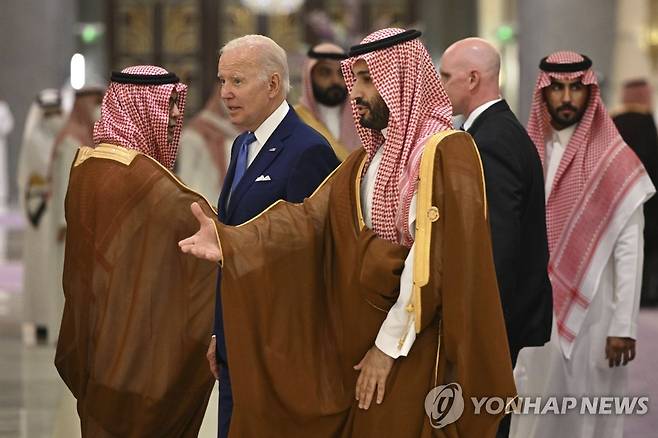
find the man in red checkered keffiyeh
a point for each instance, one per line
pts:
(409, 87)
(324, 105)
(137, 112)
(137, 313)
(375, 275)
(595, 189)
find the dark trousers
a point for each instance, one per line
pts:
(225, 402)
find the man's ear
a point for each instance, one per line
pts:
(274, 85)
(473, 79)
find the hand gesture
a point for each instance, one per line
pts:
(204, 243)
(211, 355)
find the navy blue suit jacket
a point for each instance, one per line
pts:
(296, 158)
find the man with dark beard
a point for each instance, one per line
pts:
(595, 189)
(380, 286)
(323, 104)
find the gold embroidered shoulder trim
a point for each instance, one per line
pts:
(107, 152)
(126, 156)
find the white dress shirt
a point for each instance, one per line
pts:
(263, 133)
(476, 113)
(397, 333)
(554, 150)
(265, 130)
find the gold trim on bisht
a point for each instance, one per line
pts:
(423, 238)
(106, 151)
(426, 215)
(307, 117)
(126, 156)
(484, 183)
(359, 207)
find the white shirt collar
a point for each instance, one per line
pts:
(477, 111)
(564, 135)
(265, 130)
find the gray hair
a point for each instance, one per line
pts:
(273, 58)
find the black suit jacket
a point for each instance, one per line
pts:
(515, 191)
(639, 131)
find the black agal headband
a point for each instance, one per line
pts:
(384, 43)
(322, 55)
(142, 79)
(552, 67)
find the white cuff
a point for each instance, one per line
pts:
(396, 346)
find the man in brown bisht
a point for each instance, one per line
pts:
(380, 286)
(324, 105)
(138, 314)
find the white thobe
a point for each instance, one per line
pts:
(397, 333)
(544, 371)
(38, 270)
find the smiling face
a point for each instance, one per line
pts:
(372, 109)
(244, 89)
(566, 101)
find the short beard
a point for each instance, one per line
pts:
(379, 114)
(333, 95)
(561, 122)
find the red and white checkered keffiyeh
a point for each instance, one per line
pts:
(419, 107)
(599, 181)
(348, 136)
(136, 116)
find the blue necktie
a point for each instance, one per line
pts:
(241, 162)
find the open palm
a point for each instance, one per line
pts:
(204, 244)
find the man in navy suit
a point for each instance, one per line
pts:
(277, 156)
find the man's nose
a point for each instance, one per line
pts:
(176, 112)
(356, 92)
(225, 92)
(337, 79)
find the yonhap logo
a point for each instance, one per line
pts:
(444, 405)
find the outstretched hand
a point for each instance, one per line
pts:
(204, 243)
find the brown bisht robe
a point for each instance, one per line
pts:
(138, 313)
(307, 286)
